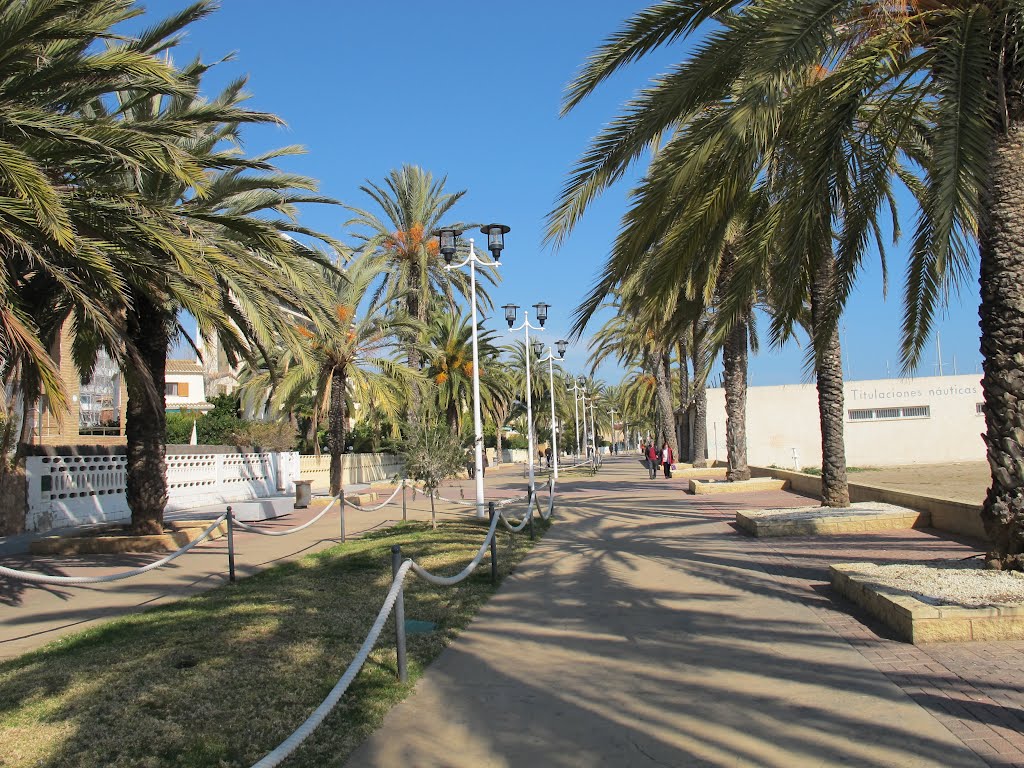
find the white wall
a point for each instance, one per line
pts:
(782, 418)
(196, 389)
(65, 491)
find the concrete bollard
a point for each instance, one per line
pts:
(303, 493)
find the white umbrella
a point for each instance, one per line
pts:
(194, 440)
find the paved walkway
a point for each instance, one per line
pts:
(32, 615)
(645, 630)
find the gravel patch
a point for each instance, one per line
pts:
(859, 510)
(965, 583)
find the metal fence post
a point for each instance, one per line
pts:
(494, 544)
(405, 515)
(396, 564)
(531, 502)
(231, 546)
(341, 509)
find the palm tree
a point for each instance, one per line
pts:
(449, 355)
(63, 228)
(413, 206)
(700, 178)
(345, 362)
(635, 337)
(239, 271)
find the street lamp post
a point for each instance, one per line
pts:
(542, 316)
(593, 426)
(495, 242)
(576, 407)
(560, 345)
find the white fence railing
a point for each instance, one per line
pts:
(514, 455)
(65, 491)
(355, 468)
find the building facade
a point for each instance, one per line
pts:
(96, 408)
(887, 421)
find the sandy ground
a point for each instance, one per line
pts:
(964, 481)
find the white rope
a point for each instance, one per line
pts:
(379, 506)
(522, 523)
(447, 581)
(296, 529)
(300, 734)
(439, 497)
(289, 745)
(42, 578)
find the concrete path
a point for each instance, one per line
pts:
(32, 615)
(641, 633)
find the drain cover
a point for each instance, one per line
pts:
(415, 627)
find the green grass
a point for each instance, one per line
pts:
(221, 678)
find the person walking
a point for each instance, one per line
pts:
(547, 456)
(652, 459)
(667, 458)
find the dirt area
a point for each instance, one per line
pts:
(963, 481)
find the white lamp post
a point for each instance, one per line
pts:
(495, 242)
(593, 430)
(561, 344)
(542, 317)
(576, 389)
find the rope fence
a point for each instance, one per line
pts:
(401, 570)
(290, 744)
(43, 578)
(34, 577)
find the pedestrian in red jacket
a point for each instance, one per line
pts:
(667, 458)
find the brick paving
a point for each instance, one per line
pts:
(976, 689)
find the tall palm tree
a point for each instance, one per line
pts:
(413, 205)
(449, 355)
(241, 273)
(345, 362)
(733, 119)
(63, 229)
(636, 337)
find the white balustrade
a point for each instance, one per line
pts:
(76, 490)
(355, 468)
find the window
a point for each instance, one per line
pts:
(979, 408)
(176, 388)
(883, 414)
(917, 412)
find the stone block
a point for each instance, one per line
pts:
(918, 622)
(754, 485)
(175, 536)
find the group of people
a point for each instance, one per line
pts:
(545, 455)
(653, 456)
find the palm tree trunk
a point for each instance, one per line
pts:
(734, 380)
(1002, 336)
(29, 407)
(415, 308)
(336, 427)
(453, 417)
(666, 418)
(145, 424)
(682, 428)
(498, 444)
(828, 367)
(699, 445)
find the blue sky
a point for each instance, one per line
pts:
(472, 91)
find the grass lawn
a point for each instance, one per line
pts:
(221, 678)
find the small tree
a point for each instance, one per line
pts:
(432, 454)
